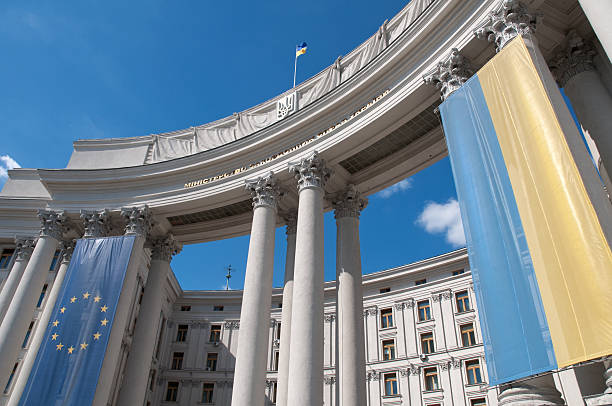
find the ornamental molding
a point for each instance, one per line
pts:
(269, 383)
(404, 372)
(53, 223)
(24, 247)
(329, 318)
(399, 306)
(67, 248)
(436, 298)
(410, 303)
(276, 343)
(510, 19)
(264, 191)
(576, 57)
(138, 220)
(444, 366)
(329, 379)
(370, 311)
(164, 248)
(232, 324)
(373, 376)
(450, 73)
(291, 220)
(96, 222)
(310, 172)
(455, 363)
(349, 203)
(414, 369)
(447, 294)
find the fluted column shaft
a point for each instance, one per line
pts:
(20, 311)
(41, 329)
(23, 251)
(134, 387)
(285, 338)
(306, 362)
(350, 369)
(250, 372)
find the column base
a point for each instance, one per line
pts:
(522, 394)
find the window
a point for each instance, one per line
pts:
(420, 282)
(463, 301)
(280, 305)
(54, 260)
(160, 337)
(385, 290)
(5, 258)
(467, 335)
(171, 391)
(478, 402)
(10, 380)
(218, 309)
(181, 332)
(215, 334)
(431, 378)
(42, 295)
(207, 392)
(386, 318)
(211, 361)
(391, 384)
(427, 343)
(273, 391)
(27, 336)
(152, 380)
(424, 310)
(141, 295)
(177, 360)
(459, 272)
(275, 361)
(472, 369)
(388, 349)
(278, 331)
(185, 308)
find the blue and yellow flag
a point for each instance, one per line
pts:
(69, 360)
(300, 49)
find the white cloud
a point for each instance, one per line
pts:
(393, 189)
(445, 219)
(7, 163)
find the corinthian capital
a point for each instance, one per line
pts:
(264, 191)
(137, 220)
(349, 203)
(67, 248)
(575, 58)
(509, 19)
(310, 172)
(165, 248)
(53, 223)
(96, 223)
(450, 74)
(291, 219)
(24, 247)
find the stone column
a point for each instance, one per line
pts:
(606, 397)
(598, 12)
(134, 387)
(350, 369)
(306, 363)
(285, 338)
(23, 251)
(67, 248)
(535, 391)
(20, 311)
(250, 373)
(574, 71)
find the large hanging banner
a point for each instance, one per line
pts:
(68, 363)
(540, 261)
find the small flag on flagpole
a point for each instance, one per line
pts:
(299, 50)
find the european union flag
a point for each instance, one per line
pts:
(68, 363)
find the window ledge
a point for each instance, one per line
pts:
(475, 385)
(391, 396)
(387, 328)
(426, 321)
(465, 312)
(433, 391)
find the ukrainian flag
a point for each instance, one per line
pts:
(300, 49)
(540, 259)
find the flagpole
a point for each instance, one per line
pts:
(295, 69)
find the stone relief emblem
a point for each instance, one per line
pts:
(285, 106)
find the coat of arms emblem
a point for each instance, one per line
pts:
(285, 106)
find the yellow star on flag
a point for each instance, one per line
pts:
(86, 295)
(104, 322)
(62, 310)
(59, 346)
(97, 299)
(55, 323)
(97, 336)
(84, 346)
(73, 299)
(54, 336)
(104, 308)
(70, 349)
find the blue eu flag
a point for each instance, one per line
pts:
(68, 363)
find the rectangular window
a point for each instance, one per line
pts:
(27, 336)
(386, 318)
(463, 301)
(160, 337)
(420, 282)
(10, 380)
(385, 290)
(215, 334)
(431, 378)
(275, 361)
(181, 332)
(177, 360)
(472, 369)
(152, 380)
(459, 272)
(424, 310)
(217, 308)
(273, 391)
(42, 295)
(468, 338)
(54, 260)
(207, 392)
(171, 391)
(278, 331)
(211, 361)
(391, 384)
(478, 402)
(427, 343)
(388, 349)
(185, 308)
(6, 257)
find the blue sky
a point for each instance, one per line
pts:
(88, 69)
